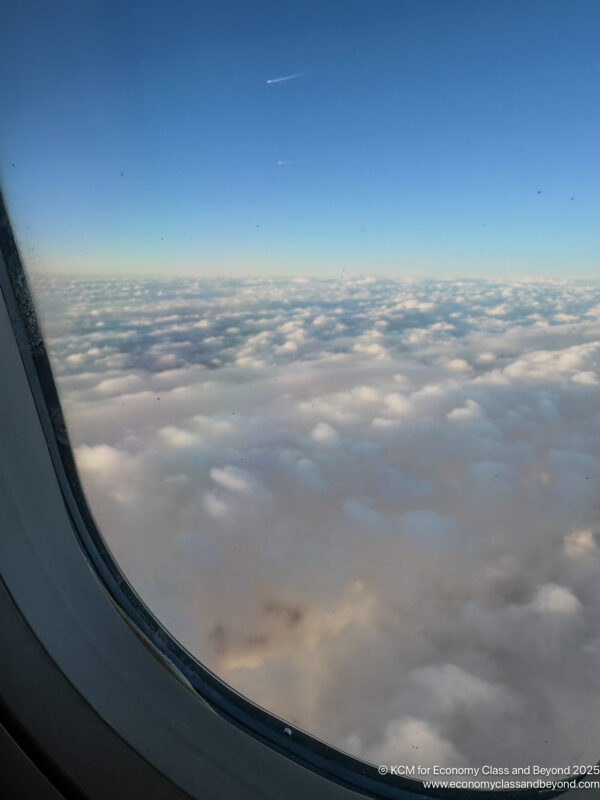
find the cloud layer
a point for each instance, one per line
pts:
(369, 505)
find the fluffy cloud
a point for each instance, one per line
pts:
(371, 506)
(233, 479)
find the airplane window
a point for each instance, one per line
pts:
(319, 285)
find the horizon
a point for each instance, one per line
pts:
(308, 278)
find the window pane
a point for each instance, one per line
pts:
(320, 290)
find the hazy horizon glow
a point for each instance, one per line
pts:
(392, 138)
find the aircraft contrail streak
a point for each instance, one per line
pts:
(285, 78)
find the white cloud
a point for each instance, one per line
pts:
(580, 544)
(120, 385)
(398, 405)
(450, 688)
(383, 494)
(553, 599)
(177, 437)
(324, 433)
(235, 480)
(410, 740)
(458, 365)
(215, 506)
(471, 410)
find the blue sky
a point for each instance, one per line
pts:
(437, 138)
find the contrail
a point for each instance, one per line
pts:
(286, 78)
